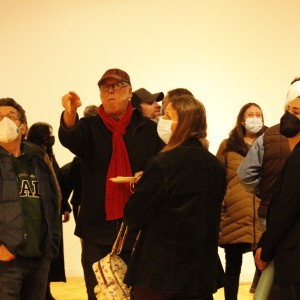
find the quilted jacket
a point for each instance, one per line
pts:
(239, 220)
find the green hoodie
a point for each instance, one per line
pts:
(34, 215)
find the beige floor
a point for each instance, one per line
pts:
(74, 289)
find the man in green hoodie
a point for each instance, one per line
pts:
(29, 209)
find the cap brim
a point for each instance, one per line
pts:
(113, 77)
(136, 99)
(159, 96)
(154, 97)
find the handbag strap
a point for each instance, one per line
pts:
(135, 243)
(119, 242)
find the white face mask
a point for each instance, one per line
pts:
(164, 129)
(9, 131)
(254, 124)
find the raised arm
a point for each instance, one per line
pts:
(70, 102)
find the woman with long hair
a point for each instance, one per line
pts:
(176, 204)
(239, 230)
(41, 134)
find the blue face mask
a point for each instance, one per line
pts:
(254, 124)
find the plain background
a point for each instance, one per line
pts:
(227, 53)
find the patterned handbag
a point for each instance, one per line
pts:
(110, 272)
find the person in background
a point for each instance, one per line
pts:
(176, 256)
(180, 92)
(264, 161)
(90, 110)
(172, 93)
(147, 103)
(117, 142)
(281, 240)
(30, 230)
(239, 230)
(260, 169)
(41, 134)
(70, 175)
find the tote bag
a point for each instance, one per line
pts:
(110, 272)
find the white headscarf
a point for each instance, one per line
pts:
(293, 93)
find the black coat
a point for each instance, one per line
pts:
(92, 142)
(57, 267)
(177, 205)
(70, 181)
(281, 240)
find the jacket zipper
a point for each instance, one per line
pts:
(20, 201)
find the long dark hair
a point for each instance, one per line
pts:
(236, 140)
(39, 133)
(191, 121)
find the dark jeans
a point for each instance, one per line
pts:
(24, 278)
(92, 253)
(148, 294)
(233, 258)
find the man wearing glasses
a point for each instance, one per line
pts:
(29, 209)
(117, 142)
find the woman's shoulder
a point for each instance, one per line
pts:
(223, 143)
(187, 151)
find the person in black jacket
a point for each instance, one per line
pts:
(41, 134)
(281, 240)
(176, 205)
(117, 142)
(30, 230)
(70, 174)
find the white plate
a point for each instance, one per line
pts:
(122, 179)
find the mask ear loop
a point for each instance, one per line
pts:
(18, 130)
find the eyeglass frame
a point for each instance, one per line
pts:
(113, 86)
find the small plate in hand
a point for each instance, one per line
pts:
(122, 179)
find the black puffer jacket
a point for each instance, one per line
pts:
(12, 231)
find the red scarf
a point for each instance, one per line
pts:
(117, 194)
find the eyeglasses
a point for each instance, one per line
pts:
(11, 116)
(115, 86)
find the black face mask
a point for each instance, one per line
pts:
(49, 142)
(289, 125)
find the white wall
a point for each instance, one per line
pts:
(226, 52)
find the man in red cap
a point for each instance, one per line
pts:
(117, 142)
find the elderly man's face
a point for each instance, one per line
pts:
(115, 102)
